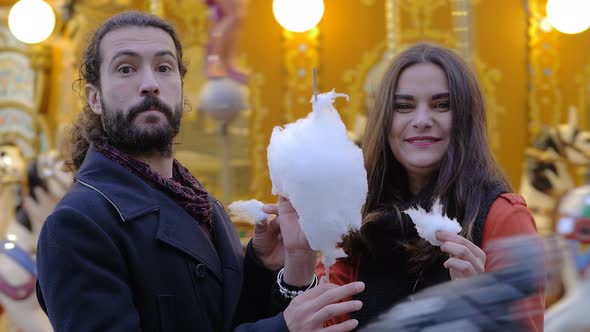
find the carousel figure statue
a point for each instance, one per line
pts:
(28, 193)
(546, 176)
(226, 17)
(572, 257)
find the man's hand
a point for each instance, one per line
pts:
(281, 242)
(268, 244)
(309, 311)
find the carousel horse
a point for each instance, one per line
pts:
(546, 177)
(20, 223)
(570, 313)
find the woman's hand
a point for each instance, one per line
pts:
(466, 259)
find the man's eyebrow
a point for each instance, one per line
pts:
(166, 52)
(123, 53)
(135, 54)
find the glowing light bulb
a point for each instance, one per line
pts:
(31, 21)
(569, 16)
(298, 15)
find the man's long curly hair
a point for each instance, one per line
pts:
(88, 127)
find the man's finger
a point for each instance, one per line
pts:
(338, 294)
(260, 227)
(274, 225)
(270, 209)
(336, 309)
(346, 326)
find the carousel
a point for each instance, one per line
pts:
(250, 67)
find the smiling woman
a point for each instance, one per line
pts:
(427, 142)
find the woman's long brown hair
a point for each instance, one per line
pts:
(467, 171)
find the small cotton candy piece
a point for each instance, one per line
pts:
(428, 223)
(249, 211)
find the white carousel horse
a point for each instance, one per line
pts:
(572, 259)
(17, 265)
(546, 177)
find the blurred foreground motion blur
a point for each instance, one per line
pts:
(488, 302)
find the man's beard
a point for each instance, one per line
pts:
(123, 134)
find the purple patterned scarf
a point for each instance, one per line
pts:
(182, 187)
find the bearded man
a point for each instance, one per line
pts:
(137, 243)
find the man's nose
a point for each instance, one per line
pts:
(149, 84)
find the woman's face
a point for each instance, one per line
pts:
(421, 128)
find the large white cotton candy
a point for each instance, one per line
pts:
(249, 211)
(320, 170)
(427, 223)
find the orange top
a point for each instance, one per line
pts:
(508, 216)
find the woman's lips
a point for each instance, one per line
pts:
(422, 141)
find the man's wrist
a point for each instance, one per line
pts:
(299, 267)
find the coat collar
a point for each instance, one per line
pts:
(131, 196)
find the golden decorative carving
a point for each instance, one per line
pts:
(489, 78)
(462, 13)
(157, 7)
(368, 3)
(23, 72)
(583, 106)
(392, 22)
(363, 80)
(545, 99)
(259, 184)
(190, 18)
(301, 55)
(355, 79)
(462, 25)
(419, 14)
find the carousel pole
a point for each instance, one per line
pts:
(226, 172)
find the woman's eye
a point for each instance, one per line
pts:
(403, 107)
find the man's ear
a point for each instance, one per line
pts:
(93, 97)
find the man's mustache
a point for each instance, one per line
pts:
(148, 103)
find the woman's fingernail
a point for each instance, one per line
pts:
(360, 286)
(358, 305)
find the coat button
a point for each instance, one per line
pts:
(200, 271)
